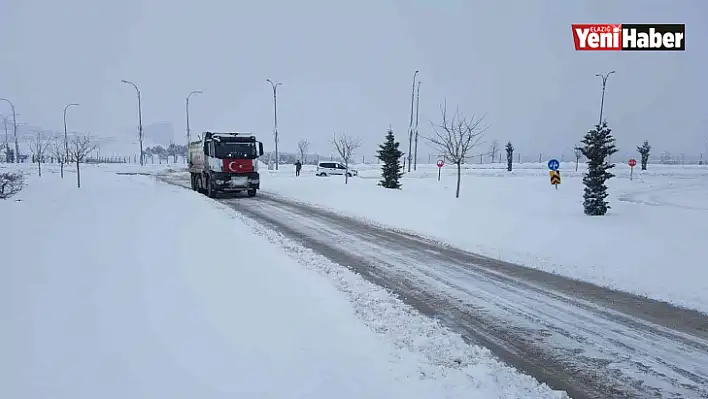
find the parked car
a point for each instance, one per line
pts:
(334, 168)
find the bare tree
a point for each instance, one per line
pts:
(455, 138)
(59, 152)
(302, 147)
(161, 153)
(173, 151)
(79, 148)
(149, 154)
(268, 157)
(38, 147)
(346, 145)
(577, 150)
(10, 184)
(493, 150)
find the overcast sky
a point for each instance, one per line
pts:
(347, 66)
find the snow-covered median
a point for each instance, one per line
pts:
(130, 288)
(652, 242)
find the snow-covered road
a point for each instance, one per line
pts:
(131, 288)
(590, 341)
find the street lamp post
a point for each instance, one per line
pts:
(66, 135)
(604, 83)
(7, 141)
(275, 117)
(410, 125)
(186, 107)
(140, 120)
(417, 107)
(14, 129)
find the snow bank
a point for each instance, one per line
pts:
(70, 170)
(651, 243)
(130, 288)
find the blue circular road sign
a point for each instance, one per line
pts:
(553, 164)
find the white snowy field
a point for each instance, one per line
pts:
(131, 288)
(652, 241)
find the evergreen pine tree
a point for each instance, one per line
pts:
(598, 146)
(509, 155)
(644, 151)
(390, 155)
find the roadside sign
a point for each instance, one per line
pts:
(555, 178)
(553, 164)
(441, 163)
(632, 163)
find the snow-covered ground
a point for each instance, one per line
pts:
(652, 242)
(130, 288)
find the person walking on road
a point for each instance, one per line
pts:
(298, 167)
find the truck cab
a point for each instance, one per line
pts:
(225, 162)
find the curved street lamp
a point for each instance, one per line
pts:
(66, 136)
(186, 106)
(604, 83)
(140, 120)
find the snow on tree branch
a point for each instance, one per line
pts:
(302, 147)
(80, 147)
(494, 150)
(345, 146)
(456, 136)
(11, 184)
(38, 147)
(59, 152)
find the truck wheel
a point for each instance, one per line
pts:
(211, 193)
(252, 192)
(193, 182)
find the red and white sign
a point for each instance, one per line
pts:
(441, 163)
(629, 37)
(632, 163)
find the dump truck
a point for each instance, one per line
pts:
(224, 162)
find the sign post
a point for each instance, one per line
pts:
(440, 164)
(555, 178)
(632, 163)
(554, 173)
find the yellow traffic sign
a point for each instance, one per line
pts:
(555, 177)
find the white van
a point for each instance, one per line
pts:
(334, 168)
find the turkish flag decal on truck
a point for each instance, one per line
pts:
(238, 165)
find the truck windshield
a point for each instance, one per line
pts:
(236, 150)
